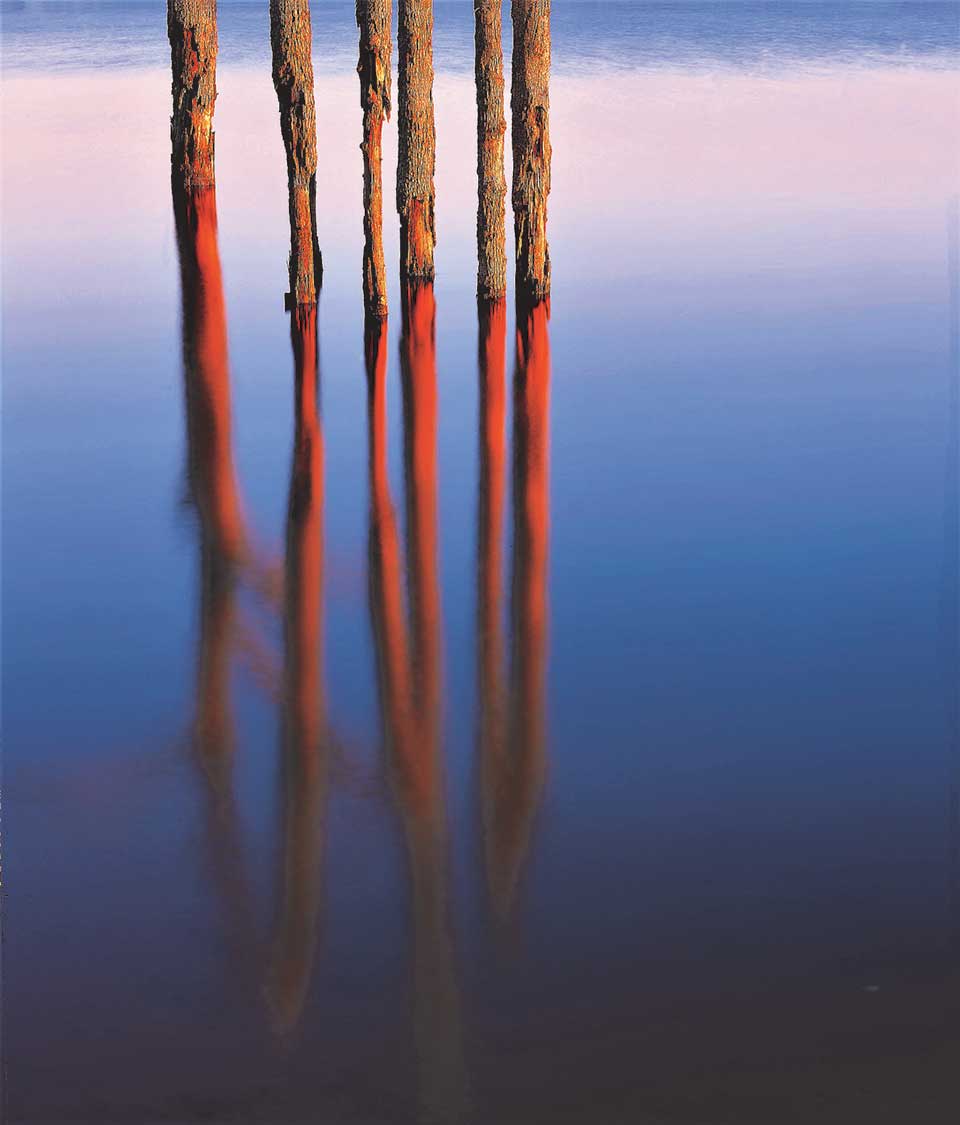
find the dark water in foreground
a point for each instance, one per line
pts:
(564, 728)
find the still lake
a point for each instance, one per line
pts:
(680, 839)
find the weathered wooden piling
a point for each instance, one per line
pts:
(416, 140)
(373, 20)
(291, 42)
(192, 30)
(491, 126)
(530, 108)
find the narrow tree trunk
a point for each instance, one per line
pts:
(530, 105)
(491, 185)
(417, 140)
(192, 30)
(291, 40)
(373, 19)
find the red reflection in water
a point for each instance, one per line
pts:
(304, 760)
(409, 681)
(215, 496)
(513, 763)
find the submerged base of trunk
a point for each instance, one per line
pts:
(417, 240)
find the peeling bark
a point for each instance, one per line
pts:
(192, 31)
(291, 41)
(530, 106)
(491, 125)
(417, 140)
(373, 20)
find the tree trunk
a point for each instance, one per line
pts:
(373, 19)
(417, 140)
(530, 106)
(491, 185)
(192, 30)
(291, 40)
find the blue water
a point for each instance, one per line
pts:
(735, 841)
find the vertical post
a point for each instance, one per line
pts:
(491, 125)
(192, 31)
(416, 139)
(291, 41)
(373, 20)
(530, 106)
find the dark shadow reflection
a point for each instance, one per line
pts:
(304, 760)
(409, 687)
(213, 493)
(512, 745)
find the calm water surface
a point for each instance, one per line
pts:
(577, 738)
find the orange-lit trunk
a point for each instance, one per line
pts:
(416, 139)
(530, 107)
(304, 762)
(373, 19)
(192, 30)
(291, 40)
(491, 185)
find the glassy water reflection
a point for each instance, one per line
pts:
(536, 715)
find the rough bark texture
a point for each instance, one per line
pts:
(417, 140)
(491, 125)
(291, 40)
(373, 20)
(530, 107)
(192, 30)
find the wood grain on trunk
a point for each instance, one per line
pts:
(530, 107)
(192, 30)
(417, 140)
(373, 20)
(491, 125)
(291, 40)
